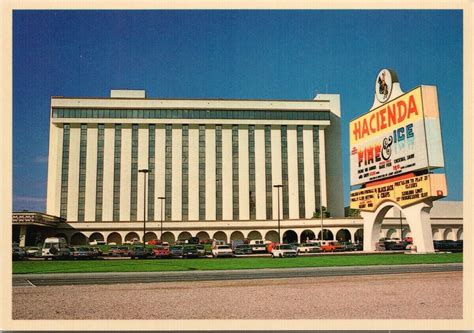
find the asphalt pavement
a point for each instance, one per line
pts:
(32, 280)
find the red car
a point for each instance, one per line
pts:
(154, 242)
(161, 252)
(121, 251)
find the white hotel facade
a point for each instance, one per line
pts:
(214, 161)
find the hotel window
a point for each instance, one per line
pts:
(284, 170)
(168, 170)
(151, 174)
(251, 133)
(218, 172)
(185, 173)
(134, 174)
(268, 171)
(202, 172)
(301, 189)
(117, 154)
(65, 171)
(190, 114)
(235, 171)
(317, 181)
(82, 173)
(100, 173)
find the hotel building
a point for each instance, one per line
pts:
(215, 162)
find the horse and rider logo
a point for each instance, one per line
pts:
(383, 85)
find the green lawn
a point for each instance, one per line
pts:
(155, 265)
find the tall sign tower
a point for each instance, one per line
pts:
(397, 159)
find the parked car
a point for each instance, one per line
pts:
(308, 248)
(97, 242)
(283, 250)
(17, 253)
(80, 253)
(140, 252)
(193, 240)
(394, 245)
(258, 246)
(157, 242)
(119, 251)
(55, 248)
(201, 250)
(33, 252)
(222, 251)
(160, 251)
(331, 246)
(349, 246)
(243, 249)
(359, 246)
(448, 245)
(97, 251)
(190, 251)
(176, 251)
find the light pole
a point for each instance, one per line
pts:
(144, 171)
(278, 187)
(401, 227)
(321, 213)
(161, 213)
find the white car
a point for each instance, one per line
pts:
(283, 250)
(222, 251)
(97, 242)
(308, 248)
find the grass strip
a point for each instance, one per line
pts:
(162, 265)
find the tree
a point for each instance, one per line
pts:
(317, 213)
(353, 213)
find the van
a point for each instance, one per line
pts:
(55, 248)
(258, 246)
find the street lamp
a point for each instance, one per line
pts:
(278, 187)
(321, 213)
(144, 171)
(161, 213)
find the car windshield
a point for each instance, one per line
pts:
(123, 248)
(223, 247)
(286, 247)
(176, 247)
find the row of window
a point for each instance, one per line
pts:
(64, 172)
(189, 114)
(82, 173)
(299, 140)
(185, 167)
(185, 172)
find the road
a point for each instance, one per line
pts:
(152, 277)
(434, 295)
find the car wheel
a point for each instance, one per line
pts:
(273, 256)
(280, 255)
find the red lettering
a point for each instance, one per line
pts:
(392, 114)
(365, 128)
(383, 123)
(402, 111)
(412, 106)
(371, 121)
(356, 131)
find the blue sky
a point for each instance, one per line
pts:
(228, 54)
